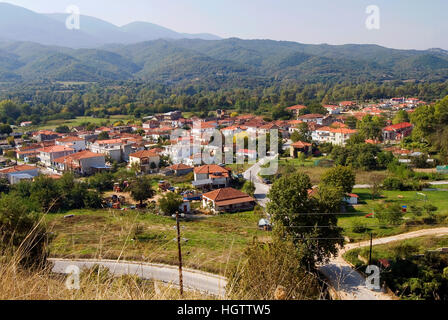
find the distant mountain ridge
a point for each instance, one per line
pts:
(219, 61)
(20, 24)
(36, 47)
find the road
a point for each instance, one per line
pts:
(193, 279)
(348, 283)
(261, 189)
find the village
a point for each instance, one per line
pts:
(154, 149)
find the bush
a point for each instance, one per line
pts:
(266, 268)
(393, 183)
(359, 226)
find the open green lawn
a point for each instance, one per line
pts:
(214, 243)
(76, 122)
(403, 198)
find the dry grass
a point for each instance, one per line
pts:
(22, 284)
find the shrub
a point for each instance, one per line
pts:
(393, 183)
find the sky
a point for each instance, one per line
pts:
(403, 24)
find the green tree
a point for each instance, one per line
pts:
(23, 233)
(103, 181)
(342, 177)
(302, 134)
(103, 135)
(301, 217)
(170, 203)
(389, 214)
(249, 188)
(401, 116)
(141, 189)
(62, 129)
(5, 129)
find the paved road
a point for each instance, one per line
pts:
(261, 189)
(347, 282)
(193, 279)
(350, 284)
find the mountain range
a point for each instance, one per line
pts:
(35, 47)
(20, 24)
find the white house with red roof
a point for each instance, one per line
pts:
(83, 162)
(47, 155)
(211, 175)
(337, 136)
(397, 132)
(146, 160)
(227, 200)
(18, 173)
(76, 143)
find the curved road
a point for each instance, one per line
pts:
(192, 279)
(348, 283)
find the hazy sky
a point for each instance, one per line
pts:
(406, 24)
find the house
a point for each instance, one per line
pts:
(151, 124)
(84, 162)
(337, 136)
(228, 200)
(178, 170)
(76, 143)
(347, 104)
(397, 132)
(203, 130)
(351, 198)
(313, 117)
(295, 109)
(45, 135)
(47, 155)
(26, 123)
(146, 160)
(333, 109)
(20, 172)
(117, 149)
(250, 155)
(300, 147)
(185, 207)
(211, 176)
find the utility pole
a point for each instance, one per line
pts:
(179, 249)
(370, 254)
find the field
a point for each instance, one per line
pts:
(309, 167)
(403, 198)
(213, 243)
(52, 124)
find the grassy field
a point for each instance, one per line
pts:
(315, 172)
(214, 243)
(50, 125)
(358, 257)
(403, 198)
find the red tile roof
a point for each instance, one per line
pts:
(300, 144)
(55, 149)
(296, 107)
(19, 168)
(398, 126)
(210, 168)
(228, 196)
(179, 166)
(144, 154)
(86, 154)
